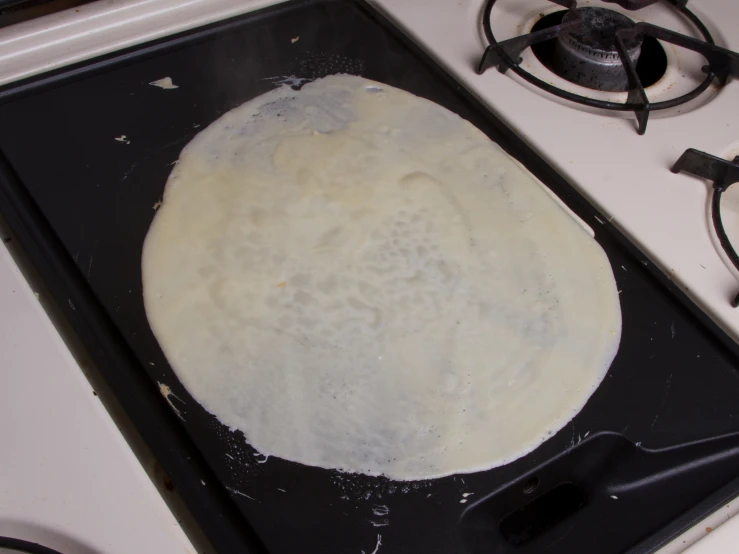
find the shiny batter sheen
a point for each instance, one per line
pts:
(358, 279)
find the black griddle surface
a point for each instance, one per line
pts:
(661, 434)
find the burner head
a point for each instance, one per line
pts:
(587, 55)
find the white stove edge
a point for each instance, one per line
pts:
(69, 480)
(106, 26)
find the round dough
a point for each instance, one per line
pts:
(359, 279)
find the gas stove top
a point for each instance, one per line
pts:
(626, 176)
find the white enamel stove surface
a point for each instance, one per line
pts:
(625, 175)
(68, 479)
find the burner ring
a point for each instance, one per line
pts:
(629, 105)
(588, 56)
(595, 36)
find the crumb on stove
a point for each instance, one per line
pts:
(164, 83)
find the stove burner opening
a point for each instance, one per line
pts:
(587, 56)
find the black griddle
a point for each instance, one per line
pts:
(655, 448)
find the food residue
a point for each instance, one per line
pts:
(266, 457)
(380, 510)
(157, 204)
(123, 138)
(235, 491)
(164, 83)
(167, 393)
(294, 40)
(381, 523)
(377, 546)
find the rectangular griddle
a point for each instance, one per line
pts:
(655, 448)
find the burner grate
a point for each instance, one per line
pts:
(722, 63)
(722, 173)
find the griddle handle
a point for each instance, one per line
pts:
(606, 478)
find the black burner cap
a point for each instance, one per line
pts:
(598, 29)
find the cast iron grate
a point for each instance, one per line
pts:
(722, 63)
(722, 173)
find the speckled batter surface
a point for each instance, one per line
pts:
(358, 279)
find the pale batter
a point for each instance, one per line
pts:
(359, 279)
